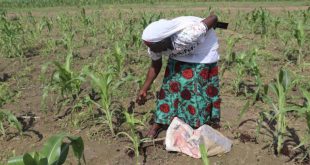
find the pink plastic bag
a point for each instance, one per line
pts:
(183, 138)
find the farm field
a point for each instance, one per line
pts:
(77, 69)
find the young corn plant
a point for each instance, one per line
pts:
(68, 40)
(304, 145)
(280, 89)
(276, 22)
(306, 110)
(254, 71)
(238, 23)
(11, 38)
(68, 32)
(230, 54)
(63, 80)
(259, 19)
(204, 154)
(45, 22)
(246, 65)
(54, 152)
(149, 18)
(300, 37)
(103, 83)
(32, 26)
(240, 73)
(82, 112)
(87, 25)
(132, 135)
(7, 116)
(119, 57)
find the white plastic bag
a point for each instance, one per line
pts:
(183, 138)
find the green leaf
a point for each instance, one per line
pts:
(11, 118)
(285, 79)
(14, 122)
(63, 154)
(29, 160)
(77, 146)
(244, 109)
(204, 153)
(43, 161)
(16, 161)
(52, 148)
(36, 157)
(274, 88)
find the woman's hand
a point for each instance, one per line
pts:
(151, 75)
(141, 98)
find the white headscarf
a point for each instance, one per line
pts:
(163, 28)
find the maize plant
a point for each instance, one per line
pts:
(54, 152)
(68, 32)
(238, 22)
(279, 105)
(133, 37)
(119, 57)
(7, 116)
(11, 38)
(240, 71)
(276, 21)
(259, 20)
(300, 36)
(253, 70)
(87, 25)
(82, 111)
(204, 153)
(246, 65)
(68, 41)
(306, 111)
(103, 82)
(86, 21)
(33, 27)
(64, 80)
(230, 54)
(133, 136)
(45, 23)
(109, 28)
(149, 18)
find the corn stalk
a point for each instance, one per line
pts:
(280, 108)
(132, 135)
(300, 37)
(103, 82)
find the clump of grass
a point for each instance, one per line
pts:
(6, 94)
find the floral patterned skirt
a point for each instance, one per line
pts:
(190, 91)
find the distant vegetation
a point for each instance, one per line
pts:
(53, 3)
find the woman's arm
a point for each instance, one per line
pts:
(210, 21)
(186, 40)
(150, 77)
